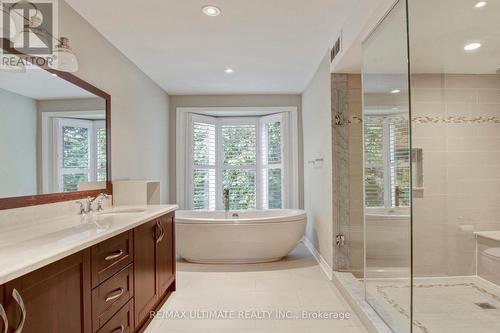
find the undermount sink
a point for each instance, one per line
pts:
(124, 211)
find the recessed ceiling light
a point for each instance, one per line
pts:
(395, 91)
(211, 10)
(481, 4)
(54, 74)
(472, 46)
(229, 70)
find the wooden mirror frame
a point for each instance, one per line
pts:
(40, 199)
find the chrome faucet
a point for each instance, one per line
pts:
(226, 199)
(86, 207)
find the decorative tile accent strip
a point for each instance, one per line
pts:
(456, 120)
(436, 120)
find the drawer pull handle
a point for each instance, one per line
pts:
(116, 254)
(120, 293)
(3, 315)
(162, 232)
(120, 329)
(17, 297)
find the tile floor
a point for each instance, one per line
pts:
(441, 305)
(290, 286)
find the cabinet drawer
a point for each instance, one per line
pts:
(122, 321)
(111, 256)
(110, 296)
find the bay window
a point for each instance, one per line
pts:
(246, 155)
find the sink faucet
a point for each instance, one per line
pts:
(226, 199)
(86, 207)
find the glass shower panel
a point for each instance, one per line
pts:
(455, 61)
(387, 170)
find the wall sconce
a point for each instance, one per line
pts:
(64, 59)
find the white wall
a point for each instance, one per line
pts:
(231, 101)
(364, 17)
(18, 145)
(139, 107)
(317, 132)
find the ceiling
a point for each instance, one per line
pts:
(439, 30)
(41, 85)
(273, 46)
(438, 36)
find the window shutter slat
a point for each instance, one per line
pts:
(203, 191)
(387, 154)
(374, 162)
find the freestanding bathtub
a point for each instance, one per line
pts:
(238, 236)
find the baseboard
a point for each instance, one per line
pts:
(321, 261)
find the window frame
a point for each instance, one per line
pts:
(49, 144)
(57, 154)
(289, 147)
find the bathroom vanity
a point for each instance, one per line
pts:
(103, 273)
(61, 272)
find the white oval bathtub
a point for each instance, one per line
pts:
(249, 237)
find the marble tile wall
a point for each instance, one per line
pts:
(456, 121)
(348, 170)
(461, 145)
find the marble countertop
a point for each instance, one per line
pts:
(26, 247)
(494, 235)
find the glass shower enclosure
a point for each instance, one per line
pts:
(431, 133)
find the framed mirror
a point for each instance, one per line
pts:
(54, 138)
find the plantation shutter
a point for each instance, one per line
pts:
(100, 134)
(387, 156)
(399, 160)
(204, 161)
(374, 162)
(272, 161)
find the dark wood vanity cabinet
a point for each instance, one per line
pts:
(108, 288)
(154, 266)
(165, 260)
(56, 298)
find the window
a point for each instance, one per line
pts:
(239, 161)
(387, 165)
(243, 154)
(80, 154)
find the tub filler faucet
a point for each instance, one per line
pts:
(225, 194)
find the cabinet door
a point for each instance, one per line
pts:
(165, 254)
(56, 297)
(145, 271)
